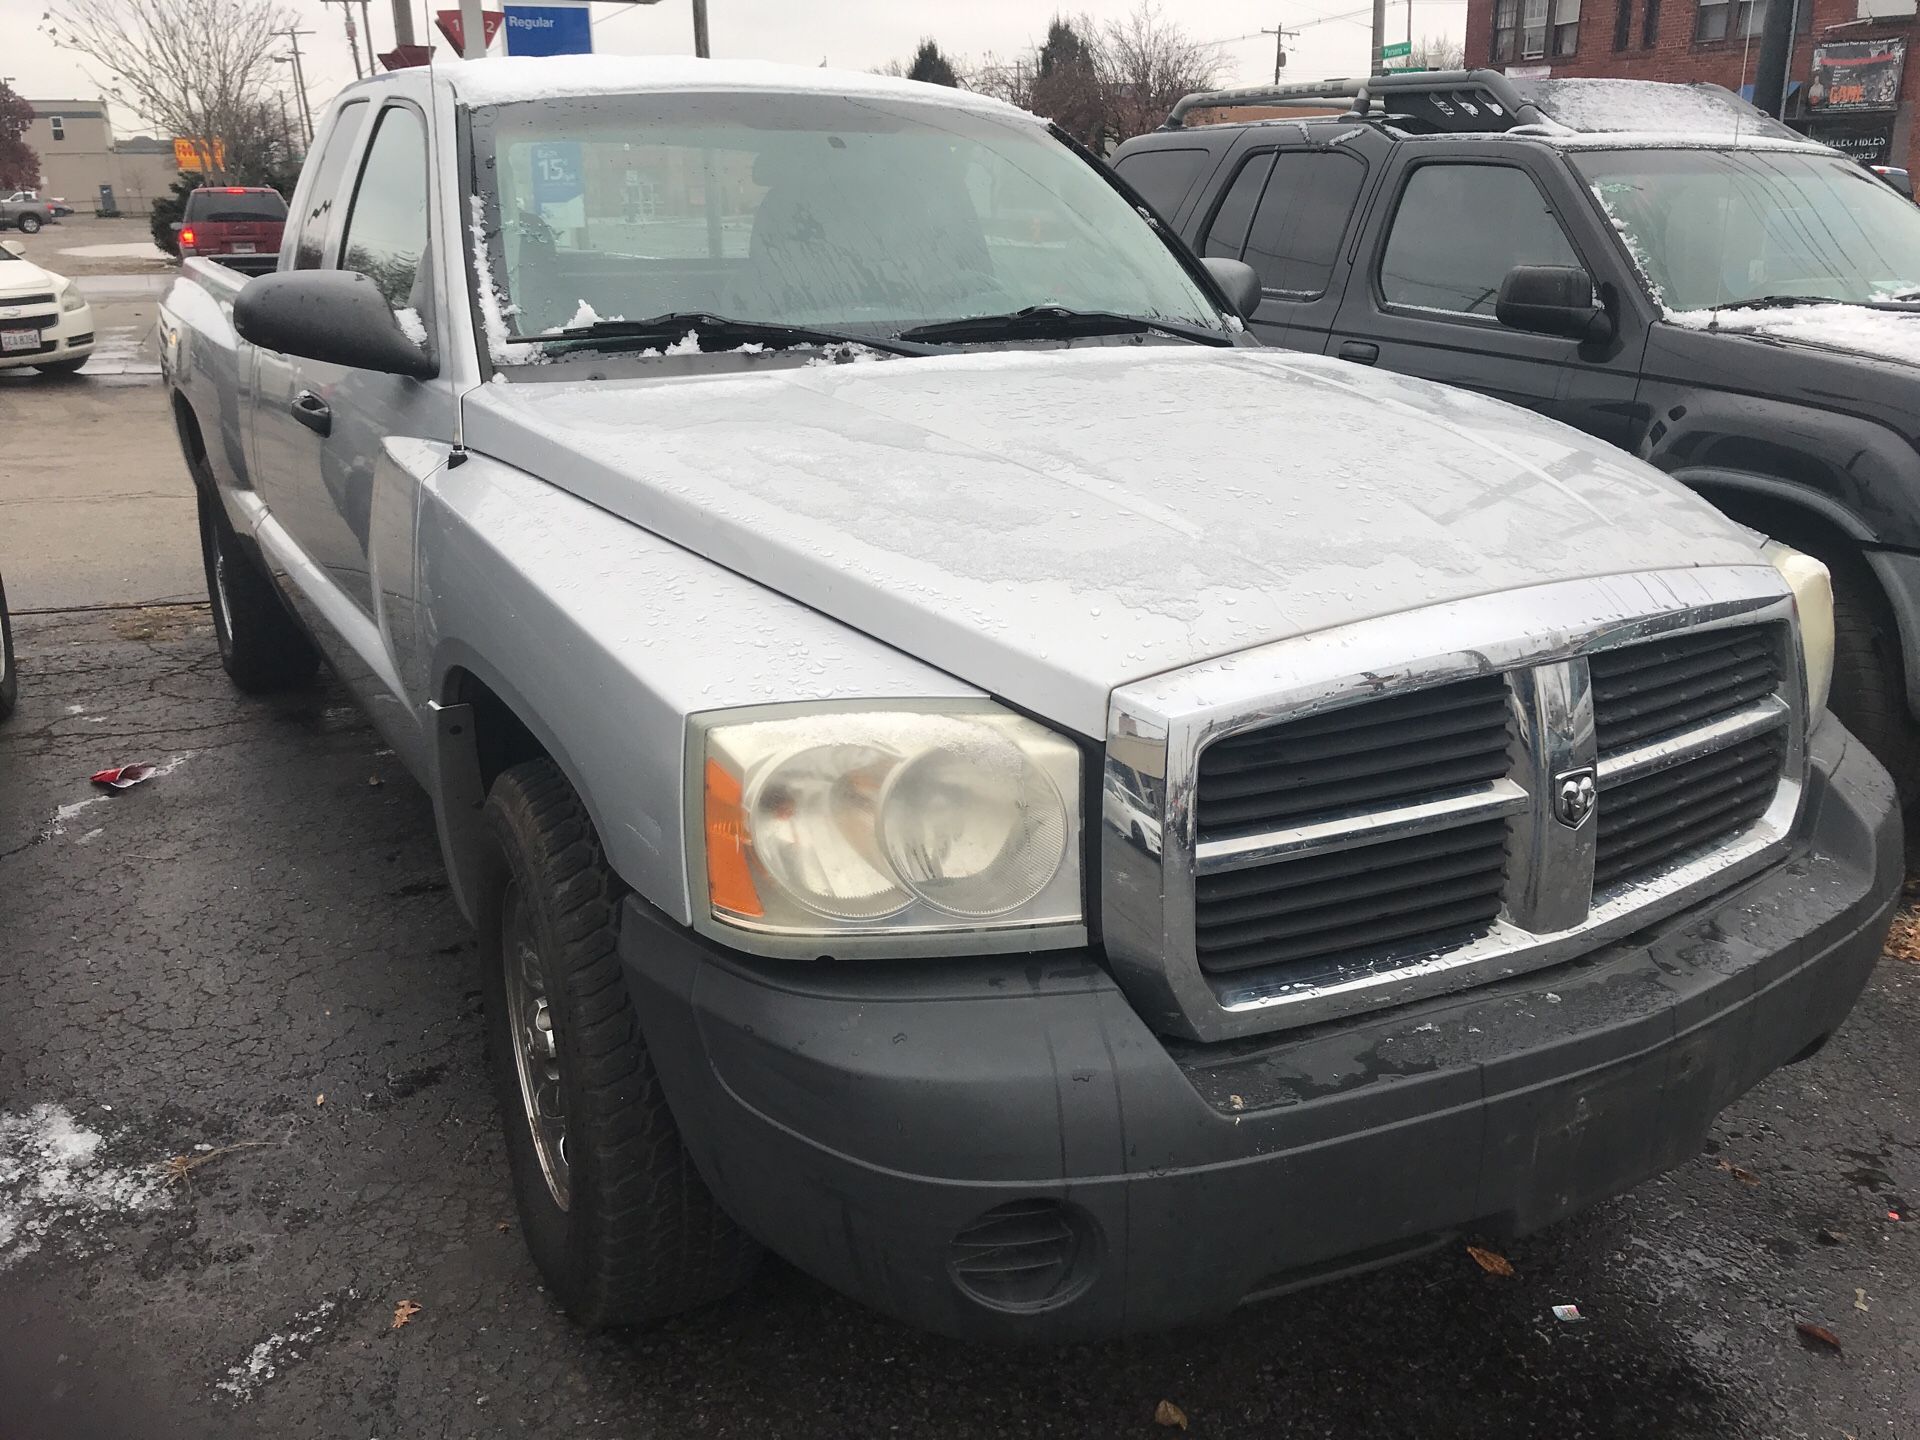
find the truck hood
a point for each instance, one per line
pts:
(1050, 524)
(1877, 335)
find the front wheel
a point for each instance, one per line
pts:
(1869, 675)
(261, 647)
(29, 224)
(619, 1222)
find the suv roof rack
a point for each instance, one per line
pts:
(1437, 100)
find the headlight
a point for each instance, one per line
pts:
(72, 299)
(1813, 596)
(889, 822)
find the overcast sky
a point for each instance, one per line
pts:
(852, 34)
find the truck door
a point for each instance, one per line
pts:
(1287, 210)
(1422, 300)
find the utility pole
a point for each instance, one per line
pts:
(1776, 56)
(700, 45)
(299, 80)
(473, 31)
(402, 24)
(366, 29)
(353, 40)
(1380, 36)
(1280, 37)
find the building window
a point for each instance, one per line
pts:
(1623, 25)
(59, 127)
(1566, 26)
(1650, 25)
(1533, 29)
(1738, 19)
(1506, 29)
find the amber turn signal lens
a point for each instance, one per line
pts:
(729, 878)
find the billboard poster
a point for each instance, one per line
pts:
(1856, 75)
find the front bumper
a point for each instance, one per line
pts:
(68, 337)
(857, 1118)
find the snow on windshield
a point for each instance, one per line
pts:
(1696, 112)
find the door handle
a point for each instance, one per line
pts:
(1361, 352)
(313, 412)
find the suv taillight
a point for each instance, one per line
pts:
(186, 236)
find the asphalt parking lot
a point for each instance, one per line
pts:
(243, 1117)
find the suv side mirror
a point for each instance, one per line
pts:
(1553, 300)
(338, 316)
(1240, 281)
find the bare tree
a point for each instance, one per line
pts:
(1438, 52)
(1145, 63)
(200, 69)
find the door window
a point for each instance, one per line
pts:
(1301, 219)
(316, 226)
(1163, 177)
(1459, 229)
(387, 225)
(1227, 231)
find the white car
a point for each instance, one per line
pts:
(44, 319)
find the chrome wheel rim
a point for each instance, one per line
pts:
(536, 1049)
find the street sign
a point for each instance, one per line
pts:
(1397, 50)
(449, 24)
(555, 27)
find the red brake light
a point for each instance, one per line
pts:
(236, 189)
(186, 235)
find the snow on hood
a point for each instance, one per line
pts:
(1050, 524)
(1883, 334)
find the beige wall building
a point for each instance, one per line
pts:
(78, 154)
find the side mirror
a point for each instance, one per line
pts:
(1553, 300)
(1240, 281)
(338, 316)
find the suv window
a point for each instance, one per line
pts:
(1302, 218)
(310, 249)
(1163, 177)
(387, 224)
(219, 206)
(1227, 231)
(1457, 232)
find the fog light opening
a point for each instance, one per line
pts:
(1026, 1255)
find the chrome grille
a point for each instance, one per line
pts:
(1312, 775)
(1390, 751)
(1360, 828)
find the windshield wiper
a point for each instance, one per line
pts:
(672, 328)
(1778, 302)
(1054, 322)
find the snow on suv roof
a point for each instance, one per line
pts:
(1653, 112)
(500, 80)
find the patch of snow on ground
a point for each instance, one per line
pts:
(266, 1359)
(1841, 327)
(55, 1188)
(130, 250)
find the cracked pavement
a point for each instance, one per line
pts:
(192, 964)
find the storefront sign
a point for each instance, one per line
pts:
(1856, 75)
(1867, 138)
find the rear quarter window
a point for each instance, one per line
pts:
(1163, 177)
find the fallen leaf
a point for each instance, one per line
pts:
(375, 781)
(504, 1226)
(403, 1312)
(1490, 1261)
(1830, 1237)
(1237, 1102)
(1817, 1335)
(320, 1099)
(1745, 1177)
(1860, 1300)
(1170, 1415)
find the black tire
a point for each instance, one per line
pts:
(29, 224)
(64, 367)
(262, 647)
(9, 679)
(639, 1236)
(1869, 675)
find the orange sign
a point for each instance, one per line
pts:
(192, 154)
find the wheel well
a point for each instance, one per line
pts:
(1788, 523)
(501, 739)
(193, 445)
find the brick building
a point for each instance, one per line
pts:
(1852, 85)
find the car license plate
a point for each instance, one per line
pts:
(11, 340)
(243, 247)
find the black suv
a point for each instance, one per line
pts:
(1659, 265)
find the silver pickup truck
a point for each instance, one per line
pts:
(969, 773)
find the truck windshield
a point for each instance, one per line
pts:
(1713, 228)
(864, 216)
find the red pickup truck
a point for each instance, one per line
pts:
(238, 225)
